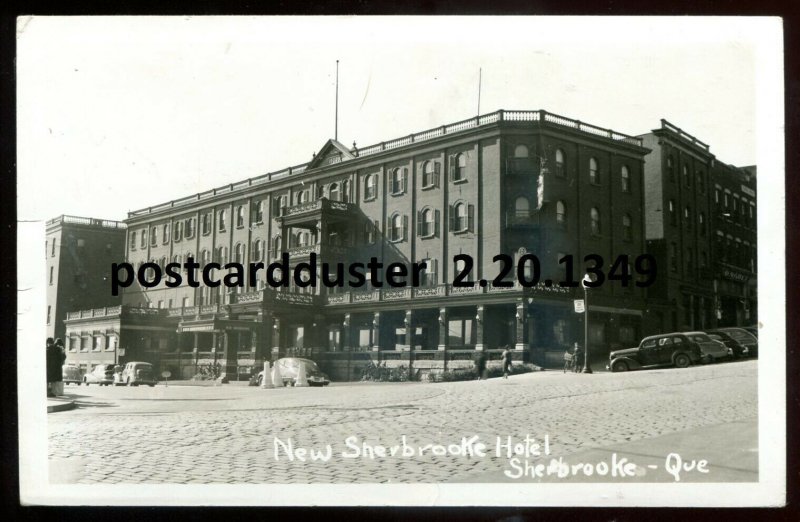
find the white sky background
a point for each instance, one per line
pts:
(117, 114)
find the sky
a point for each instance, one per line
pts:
(121, 113)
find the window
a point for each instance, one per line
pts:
(221, 255)
(277, 206)
(398, 181)
(371, 187)
(303, 239)
(670, 169)
(345, 191)
(458, 168)
(428, 275)
(461, 216)
(428, 224)
(143, 242)
(716, 196)
(258, 212)
(673, 219)
(190, 228)
(51, 275)
(701, 223)
(85, 340)
(397, 227)
(520, 151)
(238, 253)
(687, 179)
(205, 257)
(154, 236)
(625, 179)
(430, 174)
(687, 216)
(594, 174)
(48, 314)
(133, 240)
(221, 221)
(53, 248)
(701, 182)
(165, 233)
(205, 223)
(334, 192)
(460, 266)
(522, 208)
(560, 164)
(673, 256)
(276, 246)
(561, 213)
(302, 197)
(239, 216)
(178, 231)
(594, 218)
(689, 261)
(725, 200)
(371, 231)
(627, 228)
(98, 343)
(258, 250)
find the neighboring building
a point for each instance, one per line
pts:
(79, 254)
(734, 247)
(687, 191)
(510, 182)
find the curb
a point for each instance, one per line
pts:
(54, 406)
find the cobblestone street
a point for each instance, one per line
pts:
(225, 434)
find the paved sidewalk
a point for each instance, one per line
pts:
(731, 450)
(55, 404)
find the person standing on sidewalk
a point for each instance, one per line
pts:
(480, 363)
(59, 356)
(506, 357)
(49, 358)
(577, 359)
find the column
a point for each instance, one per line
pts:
(444, 338)
(409, 340)
(346, 334)
(479, 317)
(230, 349)
(276, 339)
(267, 322)
(376, 332)
(319, 334)
(520, 318)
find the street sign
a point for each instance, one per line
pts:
(579, 306)
(121, 352)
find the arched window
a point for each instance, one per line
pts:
(396, 230)
(427, 222)
(560, 163)
(561, 213)
(163, 263)
(594, 217)
(334, 192)
(345, 191)
(154, 236)
(165, 234)
(520, 151)
(177, 259)
(687, 217)
(594, 175)
(371, 187)
(701, 223)
(459, 168)
(671, 209)
(522, 207)
(397, 181)
(461, 216)
(238, 253)
(627, 228)
(258, 250)
(276, 246)
(205, 257)
(221, 225)
(428, 173)
(625, 179)
(302, 238)
(239, 216)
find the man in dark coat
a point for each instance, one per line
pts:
(55, 361)
(50, 353)
(480, 363)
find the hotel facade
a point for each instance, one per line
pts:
(510, 182)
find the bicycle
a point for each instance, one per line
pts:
(569, 362)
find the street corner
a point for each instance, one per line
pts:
(56, 404)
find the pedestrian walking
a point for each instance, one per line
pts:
(577, 359)
(506, 358)
(55, 374)
(49, 358)
(480, 363)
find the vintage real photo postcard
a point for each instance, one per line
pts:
(424, 261)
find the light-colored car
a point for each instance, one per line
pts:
(289, 368)
(71, 374)
(135, 373)
(712, 350)
(102, 374)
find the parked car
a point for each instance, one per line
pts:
(744, 338)
(657, 350)
(711, 349)
(102, 374)
(736, 347)
(71, 374)
(751, 330)
(136, 373)
(289, 368)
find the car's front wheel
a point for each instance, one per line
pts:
(620, 366)
(682, 360)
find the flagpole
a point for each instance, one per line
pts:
(336, 122)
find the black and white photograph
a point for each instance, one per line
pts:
(401, 261)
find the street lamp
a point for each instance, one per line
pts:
(586, 279)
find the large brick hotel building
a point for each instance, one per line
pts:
(510, 182)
